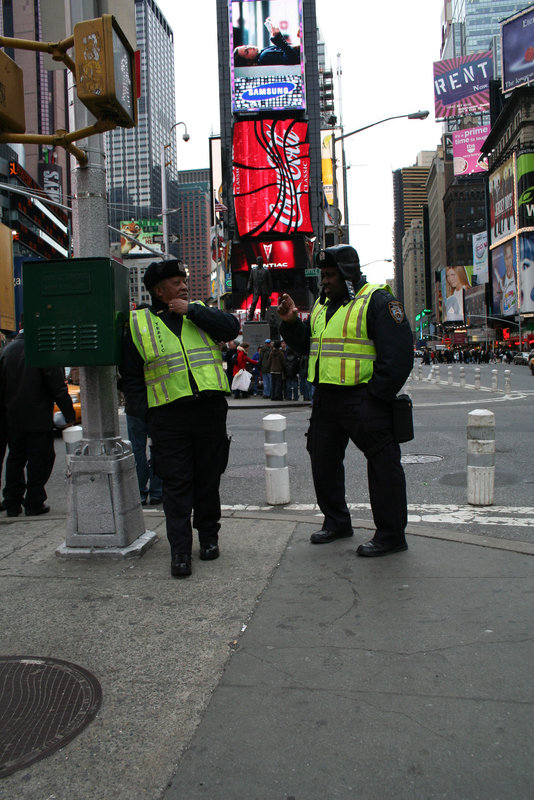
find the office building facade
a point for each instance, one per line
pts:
(134, 156)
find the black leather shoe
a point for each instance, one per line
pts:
(209, 552)
(372, 549)
(35, 511)
(181, 566)
(156, 501)
(322, 536)
(13, 512)
(2, 506)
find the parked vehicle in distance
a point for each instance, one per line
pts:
(74, 392)
(521, 358)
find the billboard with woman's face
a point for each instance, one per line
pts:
(526, 273)
(454, 280)
(504, 279)
(267, 55)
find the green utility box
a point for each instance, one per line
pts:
(74, 311)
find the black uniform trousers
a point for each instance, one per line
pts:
(29, 464)
(190, 451)
(340, 414)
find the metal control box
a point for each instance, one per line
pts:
(74, 311)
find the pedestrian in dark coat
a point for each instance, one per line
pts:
(27, 395)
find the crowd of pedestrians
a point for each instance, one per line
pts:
(276, 371)
(466, 355)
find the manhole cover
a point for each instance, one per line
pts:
(44, 703)
(415, 459)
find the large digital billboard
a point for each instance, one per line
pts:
(461, 85)
(502, 202)
(504, 279)
(517, 50)
(525, 190)
(266, 55)
(271, 177)
(526, 273)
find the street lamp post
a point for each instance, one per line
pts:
(164, 164)
(413, 115)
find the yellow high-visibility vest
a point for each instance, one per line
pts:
(343, 348)
(168, 358)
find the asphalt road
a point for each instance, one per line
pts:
(435, 461)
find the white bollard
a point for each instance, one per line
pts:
(436, 374)
(480, 457)
(449, 376)
(507, 381)
(71, 437)
(462, 377)
(477, 377)
(419, 372)
(494, 380)
(276, 470)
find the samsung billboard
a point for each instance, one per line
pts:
(266, 55)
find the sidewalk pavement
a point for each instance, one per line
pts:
(282, 670)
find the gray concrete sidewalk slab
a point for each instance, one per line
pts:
(405, 677)
(157, 645)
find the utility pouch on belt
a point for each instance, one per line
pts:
(402, 418)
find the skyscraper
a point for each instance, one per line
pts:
(409, 199)
(473, 27)
(134, 155)
(194, 219)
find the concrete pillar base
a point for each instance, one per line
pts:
(135, 549)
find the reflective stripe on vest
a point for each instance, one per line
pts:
(342, 346)
(168, 358)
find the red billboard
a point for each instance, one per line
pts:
(271, 177)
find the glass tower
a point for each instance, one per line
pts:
(134, 155)
(474, 27)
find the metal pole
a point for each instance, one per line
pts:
(104, 513)
(164, 203)
(334, 188)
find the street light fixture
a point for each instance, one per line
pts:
(413, 115)
(377, 261)
(164, 210)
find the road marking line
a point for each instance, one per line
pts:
(505, 516)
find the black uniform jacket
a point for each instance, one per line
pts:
(27, 394)
(220, 325)
(390, 331)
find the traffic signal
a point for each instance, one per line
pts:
(12, 118)
(105, 70)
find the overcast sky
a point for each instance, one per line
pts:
(387, 50)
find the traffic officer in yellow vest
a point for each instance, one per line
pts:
(360, 354)
(172, 375)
